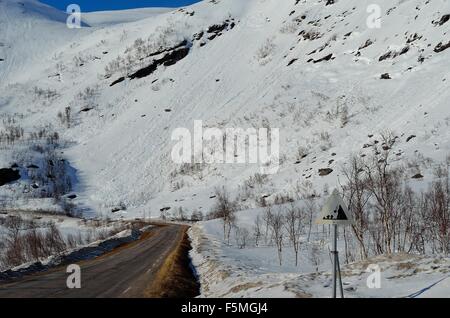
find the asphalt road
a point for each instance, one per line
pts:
(124, 272)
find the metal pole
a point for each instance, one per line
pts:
(334, 251)
(340, 277)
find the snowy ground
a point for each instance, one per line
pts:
(227, 271)
(262, 69)
(75, 232)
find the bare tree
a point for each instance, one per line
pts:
(225, 209)
(294, 225)
(314, 256)
(276, 225)
(54, 242)
(384, 184)
(357, 196)
(439, 207)
(310, 210)
(180, 214)
(267, 218)
(34, 242)
(257, 230)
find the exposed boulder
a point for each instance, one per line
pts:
(325, 58)
(8, 175)
(325, 172)
(441, 47)
(444, 19)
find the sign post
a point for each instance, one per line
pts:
(335, 212)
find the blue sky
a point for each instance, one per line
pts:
(101, 5)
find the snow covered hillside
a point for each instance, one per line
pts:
(107, 18)
(247, 64)
(87, 115)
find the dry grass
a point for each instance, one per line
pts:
(245, 286)
(175, 279)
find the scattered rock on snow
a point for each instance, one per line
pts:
(325, 58)
(325, 172)
(443, 20)
(292, 62)
(117, 81)
(441, 47)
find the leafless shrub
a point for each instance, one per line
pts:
(35, 244)
(197, 216)
(54, 243)
(289, 28)
(47, 95)
(27, 241)
(188, 169)
(180, 214)
(325, 141)
(301, 153)
(264, 53)
(241, 236)
(87, 98)
(224, 209)
(142, 50)
(177, 185)
(255, 180)
(281, 198)
(65, 117)
(71, 241)
(11, 134)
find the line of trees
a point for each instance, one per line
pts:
(26, 240)
(277, 228)
(390, 217)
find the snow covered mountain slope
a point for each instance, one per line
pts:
(313, 69)
(106, 18)
(30, 34)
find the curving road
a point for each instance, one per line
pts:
(124, 272)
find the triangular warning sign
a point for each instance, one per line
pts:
(334, 211)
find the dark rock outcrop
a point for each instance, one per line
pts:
(8, 175)
(325, 172)
(441, 47)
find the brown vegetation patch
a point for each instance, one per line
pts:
(245, 286)
(175, 278)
